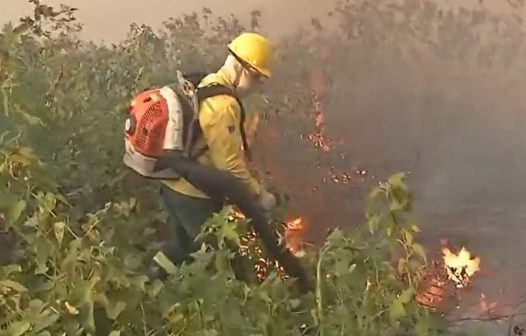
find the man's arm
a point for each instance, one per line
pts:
(220, 126)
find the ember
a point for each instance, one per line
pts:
(320, 141)
(293, 232)
(460, 267)
(434, 288)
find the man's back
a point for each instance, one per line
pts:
(219, 119)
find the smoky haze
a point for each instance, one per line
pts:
(110, 20)
(438, 94)
(441, 95)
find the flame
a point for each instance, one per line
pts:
(456, 271)
(434, 293)
(235, 214)
(460, 267)
(294, 238)
(317, 136)
(293, 241)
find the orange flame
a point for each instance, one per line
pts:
(460, 267)
(433, 294)
(294, 238)
(293, 241)
(235, 214)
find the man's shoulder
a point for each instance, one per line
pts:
(219, 99)
(219, 107)
(219, 103)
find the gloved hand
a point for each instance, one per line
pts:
(267, 200)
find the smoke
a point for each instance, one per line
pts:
(443, 102)
(117, 15)
(434, 93)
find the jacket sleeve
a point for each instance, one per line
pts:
(220, 125)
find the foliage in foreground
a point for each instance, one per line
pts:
(80, 277)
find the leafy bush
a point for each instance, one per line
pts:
(81, 276)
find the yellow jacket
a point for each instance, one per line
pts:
(219, 117)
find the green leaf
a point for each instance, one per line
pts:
(264, 296)
(43, 249)
(408, 237)
(12, 285)
(210, 332)
(336, 238)
(82, 299)
(15, 211)
(341, 267)
(20, 29)
(23, 155)
(389, 229)
(70, 261)
(422, 327)
(406, 295)
(419, 250)
(18, 328)
(402, 265)
(36, 306)
(8, 270)
(44, 333)
(47, 319)
(132, 261)
(48, 203)
(372, 223)
(397, 180)
(58, 228)
(139, 281)
(114, 310)
(228, 232)
(294, 303)
(176, 318)
(415, 228)
(30, 119)
(396, 310)
(115, 333)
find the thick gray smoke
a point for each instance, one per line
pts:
(441, 95)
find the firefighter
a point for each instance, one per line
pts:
(246, 67)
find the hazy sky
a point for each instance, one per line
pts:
(110, 19)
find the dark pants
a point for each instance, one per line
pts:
(186, 216)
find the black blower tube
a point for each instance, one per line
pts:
(221, 185)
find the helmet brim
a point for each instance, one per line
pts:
(263, 72)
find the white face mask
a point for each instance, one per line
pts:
(249, 81)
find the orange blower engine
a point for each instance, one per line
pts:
(163, 122)
(155, 127)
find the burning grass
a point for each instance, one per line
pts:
(460, 267)
(293, 236)
(455, 271)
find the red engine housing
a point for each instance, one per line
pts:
(146, 124)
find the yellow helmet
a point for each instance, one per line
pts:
(254, 50)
